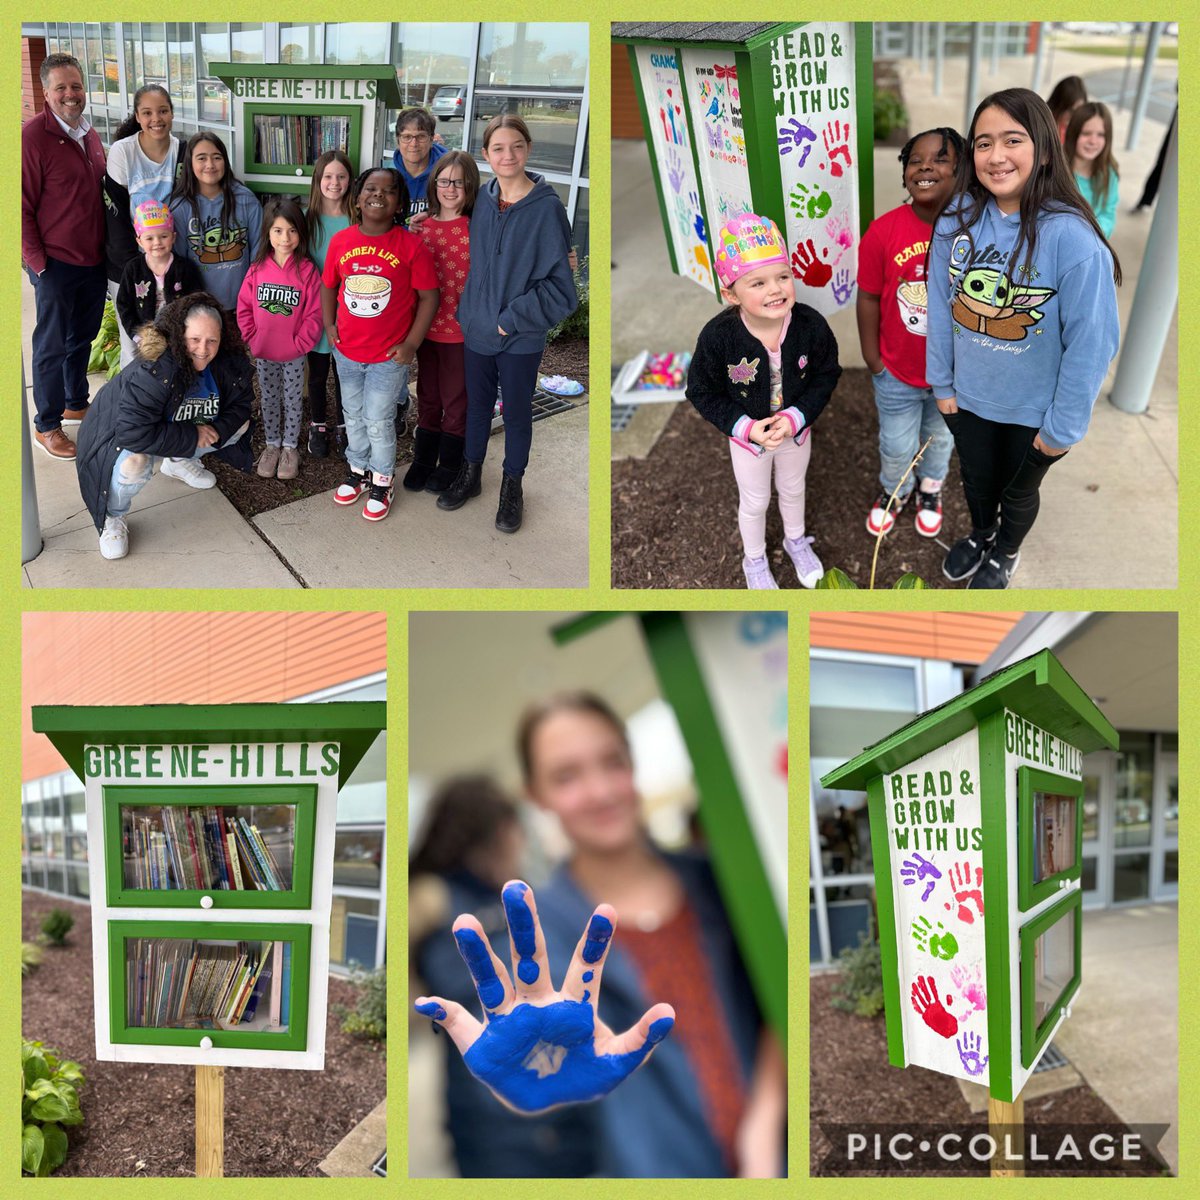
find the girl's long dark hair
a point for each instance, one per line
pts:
(1104, 166)
(356, 191)
(465, 815)
(186, 187)
(454, 158)
(1050, 188)
(289, 210)
(316, 200)
(1069, 91)
(130, 125)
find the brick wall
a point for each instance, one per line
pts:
(33, 51)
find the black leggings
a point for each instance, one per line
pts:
(318, 375)
(1001, 473)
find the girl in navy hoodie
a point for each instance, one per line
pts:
(519, 287)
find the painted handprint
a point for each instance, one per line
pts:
(811, 202)
(969, 981)
(915, 869)
(797, 137)
(675, 175)
(942, 944)
(843, 286)
(929, 1007)
(836, 136)
(970, 1049)
(808, 267)
(840, 234)
(698, 226)
(960, 883)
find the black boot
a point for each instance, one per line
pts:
(450, 456)
(424, 463)
(465, 486)
(512, 505)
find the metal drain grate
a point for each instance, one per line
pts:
(622, 414)
(379, 1167)
(543, 405)
(1051, 1060)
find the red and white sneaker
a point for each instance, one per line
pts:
(379, 498)
(877, 522)
(929, 514)
(353, 486)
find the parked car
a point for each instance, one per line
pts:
(449, 103)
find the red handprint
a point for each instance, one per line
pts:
(960, 883)
(836, 136)
(808, 267)
(925, 1001)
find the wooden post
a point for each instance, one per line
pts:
(1007, 1119)
(210, 1122)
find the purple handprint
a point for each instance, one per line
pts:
(843, 286)
(675, 174)
(914, 869)
(799, 137)
(970, 1047)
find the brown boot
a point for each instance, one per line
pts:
(55, 443)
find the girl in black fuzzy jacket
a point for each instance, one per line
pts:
(763, 370)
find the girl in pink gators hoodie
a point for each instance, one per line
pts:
(279, 314)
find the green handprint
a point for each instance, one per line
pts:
(942, 945)
(812, 202)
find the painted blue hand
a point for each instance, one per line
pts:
(675, 174)
(794, 136)
(970, 1047)
(698, 226)
(843, 286)
(915, 869)
(538, 1048)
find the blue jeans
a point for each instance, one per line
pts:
(907, 417)
(370, 392)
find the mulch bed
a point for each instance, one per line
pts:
(674, 513)
(851, 1083)
(251, 495)
(139, 1119)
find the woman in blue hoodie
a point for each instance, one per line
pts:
(518, 288)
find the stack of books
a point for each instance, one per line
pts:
(289, 140)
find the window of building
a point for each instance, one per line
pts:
(532, 55)
(357, 42)
(553, 125)
(247, 43)
(300, 43)
(358, 857)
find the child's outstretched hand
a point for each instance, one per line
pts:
(537, 1047)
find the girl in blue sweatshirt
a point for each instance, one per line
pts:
(518, 288)
(1022, 324)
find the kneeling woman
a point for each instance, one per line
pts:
(187, 394)
(518, 288)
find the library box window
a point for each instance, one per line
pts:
(1049, 834)
(1050, 971)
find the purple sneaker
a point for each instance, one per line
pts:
(758, 575)
(808, 566)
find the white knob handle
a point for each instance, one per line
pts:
(206, 1043)
(206, 902)
(299, 171)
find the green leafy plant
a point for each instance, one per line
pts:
(31, 956)
(368, 1017)
(106, 347)
(576, 325)
(860, 989)
(49, 1100)
(890, 114)
(837, 580)
(56, 924)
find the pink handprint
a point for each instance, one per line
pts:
(840, 233)
(798, 137)
(808, 267)
(836, 136)
(969, 981)
(929, 1007)
(960, 884)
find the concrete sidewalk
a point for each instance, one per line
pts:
(180, 537)
(1109, 514)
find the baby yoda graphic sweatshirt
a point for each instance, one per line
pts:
(224, 253)
(1022, 345)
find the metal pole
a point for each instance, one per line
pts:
(974, 58)
(939, 55)
(1128, 68)
(31, 526)
(1143, 92)
(1039, 59)
(1156, 296)
(998, 28)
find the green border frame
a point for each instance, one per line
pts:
(302, 797)
(252, 109)
(864, 104)
(1034, 1038)
(1030, 780)
(296, 1037)
(885, 915)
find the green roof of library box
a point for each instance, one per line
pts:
(747, 34)
(355, 724)
(1037, 688)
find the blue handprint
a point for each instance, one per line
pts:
(843, 286)
(675, 174)
(538, 1048)
(798, 137)
(699, 227)
(697, 215)
(969, 1048)
(914, 869)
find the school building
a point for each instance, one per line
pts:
(208, 658)
(871, 673)
(465, 72)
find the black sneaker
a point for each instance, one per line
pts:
(966, 556)
(996, 571)
(318, 441)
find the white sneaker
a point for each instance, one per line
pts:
(190, 471)
(808, 566)
(114, 538)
